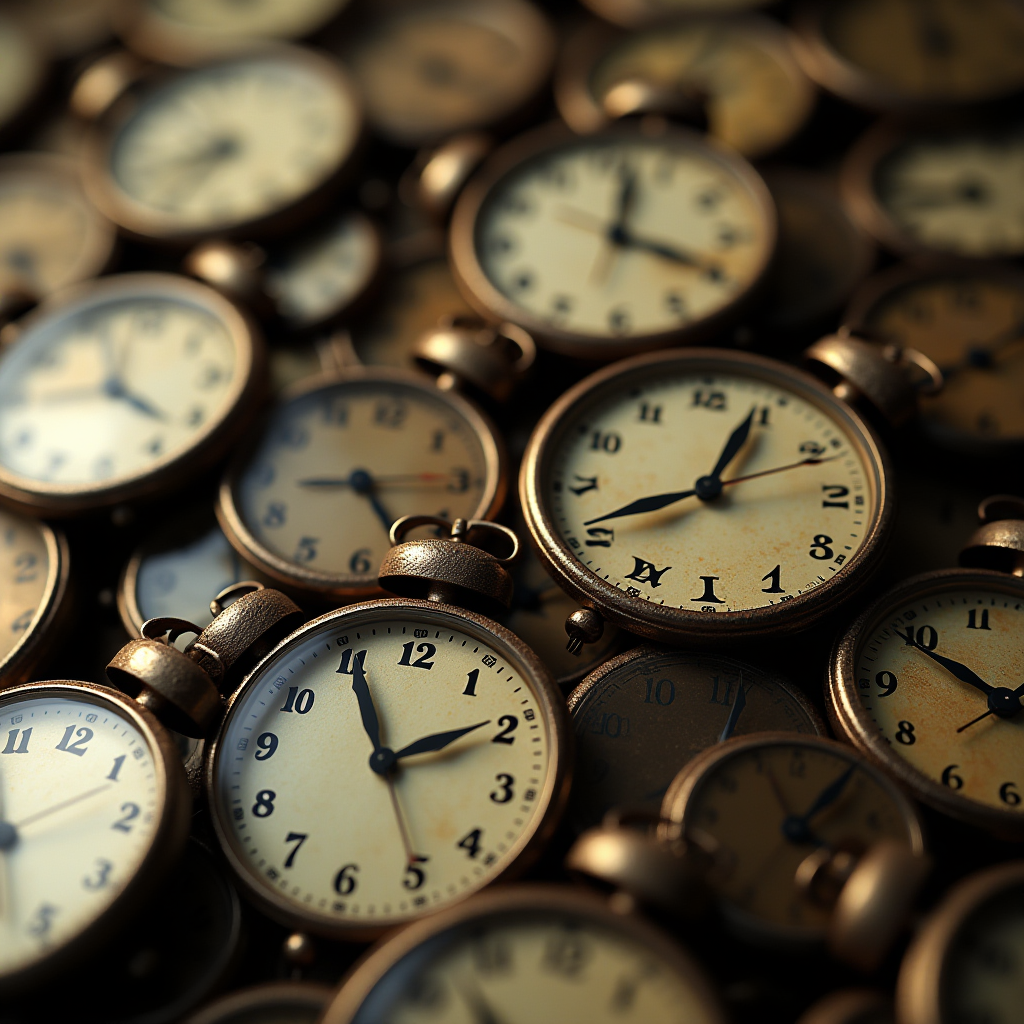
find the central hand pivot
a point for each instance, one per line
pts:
(707, 488)
(383, 760)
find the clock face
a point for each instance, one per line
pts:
(115, 386)
(757, 96)
(754, 800)
(970, 326)
(638, 720)
(339, 464)
(942, 50)
(536, 965)
(439, 68)
(791, 508)
(956, 193)
(229, 144)
(80, 804)
(924, 711)
(311, 823)
(618, 237)
(319, 275)
(25, 579)
(50, 235)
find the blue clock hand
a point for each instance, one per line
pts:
(796, 827)
(734, 715)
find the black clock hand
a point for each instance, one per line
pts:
(437, 741)
(737, 439)
(965, 192)
(114, 388)
(796, 827)
(658, 501)
(962, 672)
(478, 1006)
(734, 715)
(367, 712)
(980, 355)
(627, 197)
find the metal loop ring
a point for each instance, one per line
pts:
(236, 590)
(167, 628)
(216, 671)
(934, 380)
(457, 530)
(524, 342)
(400, 527)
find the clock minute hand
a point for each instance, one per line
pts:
(436, 741)
(367, 712)
(797, 827)
(736, 441)
(962, 672)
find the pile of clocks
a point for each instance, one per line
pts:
(512, 511)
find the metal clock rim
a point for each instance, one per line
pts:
(227, 1008)
(294, 576)
(169, 836)
(919, 984)
(658, 622)
(20, 662)
(548, 898)
(692, 777)
(36, 498)
(582, 691)
(594, 41)
(826, 66)
(137, 220)
(857, 729)
(528, 847)
(630, 13)
(492, 305)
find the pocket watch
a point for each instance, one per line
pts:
(639, 13)
(969, 318)
(120, 388)
(946, 189)
(780, 508)
(822, 255)
(345, 818)
(776, 808)
(928, 681)
(250, 145)
(850, 1006)
(173, 574)
(95, 810)
(967, 960)
(50, 234)
(23, 71)
(911, 55)
(431, 68)
(34, 596)
(642, 715)
(312, 500)
(185, 32)
(537, 952)
(612, 243)
(741, 71)
(274, 1002)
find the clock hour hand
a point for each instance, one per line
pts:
(710, 486)
(734, 715)
(651, 504)
(796, 827)
(436, 741)
(367, 712)
(114, 387)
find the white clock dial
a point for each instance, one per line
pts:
(792, 507)
(618, 237)
(231, 143)
(314, 826)
(25, 579)
(80, 804)
(113, 387)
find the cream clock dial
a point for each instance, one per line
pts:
(614, 242)
(331, 793)
(226, 146)
(340, 461)
(85, 795)
(931, 684)
(116, 384)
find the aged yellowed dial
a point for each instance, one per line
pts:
(340, 461)
(528, 953)
(607, 244)
(914, 52)
(930, 682)
(753, 91)
(771, 799)
(701, 484)
(971, 323)
(384, 762)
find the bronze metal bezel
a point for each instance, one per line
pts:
(548, 901)
(39, 497)
(832, 71)
(140, 220)
(852, 723)
(21, 661)
(921, 983)
(351, 585)
(588, 47)
(496, 307)
(169, 836)
(676, 810)
(681, 625)
(270, 995)
(552, 798)
(643, 13)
